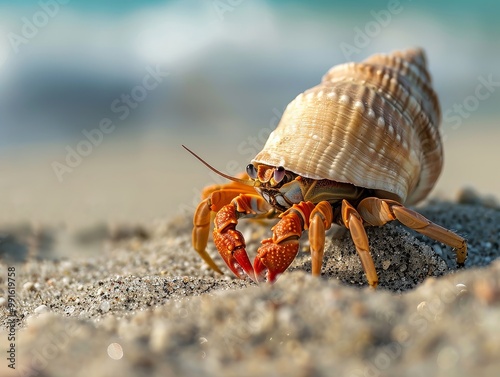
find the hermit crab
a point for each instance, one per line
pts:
(353, 150)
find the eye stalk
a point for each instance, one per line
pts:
(279, 174)
(266, 174)
(251, 171)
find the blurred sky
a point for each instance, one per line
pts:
(225, 70)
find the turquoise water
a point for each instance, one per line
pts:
(232, 65)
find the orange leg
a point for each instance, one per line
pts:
(236, 186)
(353, 221)
(377, 212)
(320, 220)
(278, 252)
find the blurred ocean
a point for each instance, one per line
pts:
(214, 75)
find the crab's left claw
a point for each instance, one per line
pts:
(273, 259)
(277, 253)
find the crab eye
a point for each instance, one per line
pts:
(251, 171)
(279, 173)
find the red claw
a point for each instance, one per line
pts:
(274, 255)
(274, 258)
(231, 246)
(277, 253)
(239, 262)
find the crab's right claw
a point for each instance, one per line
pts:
(231, 244)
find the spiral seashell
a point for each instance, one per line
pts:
(373, 124)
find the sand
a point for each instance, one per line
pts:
(148, 306)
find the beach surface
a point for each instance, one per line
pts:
(148, 306)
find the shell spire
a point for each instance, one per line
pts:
(373, 124)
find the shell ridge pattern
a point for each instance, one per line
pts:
(373, 124)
